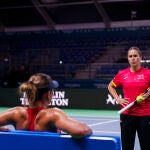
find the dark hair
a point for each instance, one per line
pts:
(137, 49)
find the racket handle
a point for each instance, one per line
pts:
(126, 107)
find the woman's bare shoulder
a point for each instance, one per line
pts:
(14, 113)
(54, 109)
(17, 109)
(51, 111)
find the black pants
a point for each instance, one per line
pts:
(132, 124)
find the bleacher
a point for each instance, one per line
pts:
(109, 70)
(69, 52)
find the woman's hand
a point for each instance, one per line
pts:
(4, 128)
(122, 101)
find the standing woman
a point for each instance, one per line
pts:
(134, 81)
(38, 92)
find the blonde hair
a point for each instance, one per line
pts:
(33, 86)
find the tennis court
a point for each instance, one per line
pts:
(102, 122)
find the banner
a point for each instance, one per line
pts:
(67, 98)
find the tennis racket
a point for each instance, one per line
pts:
(127, 107)
(138, 99)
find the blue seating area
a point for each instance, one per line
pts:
(78, 55)
(43, 140)
(73, 47)
(58, 71)
(41, 49)
(109, 70)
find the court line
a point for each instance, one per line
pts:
(95, 124)
(108, 132)
(91, 118)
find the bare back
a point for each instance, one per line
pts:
(19, 117)
(51, 119)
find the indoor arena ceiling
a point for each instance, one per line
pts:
(68, 14)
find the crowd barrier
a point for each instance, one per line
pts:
(26, 140)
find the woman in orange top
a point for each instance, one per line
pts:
(37, 117)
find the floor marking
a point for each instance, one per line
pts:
(109, 132)
(92, 118)
(103, 123)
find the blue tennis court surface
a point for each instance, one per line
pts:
(101, 125)
(102, 122)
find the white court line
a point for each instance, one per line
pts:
(103, 123)
(109, 132)
(91, 118)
